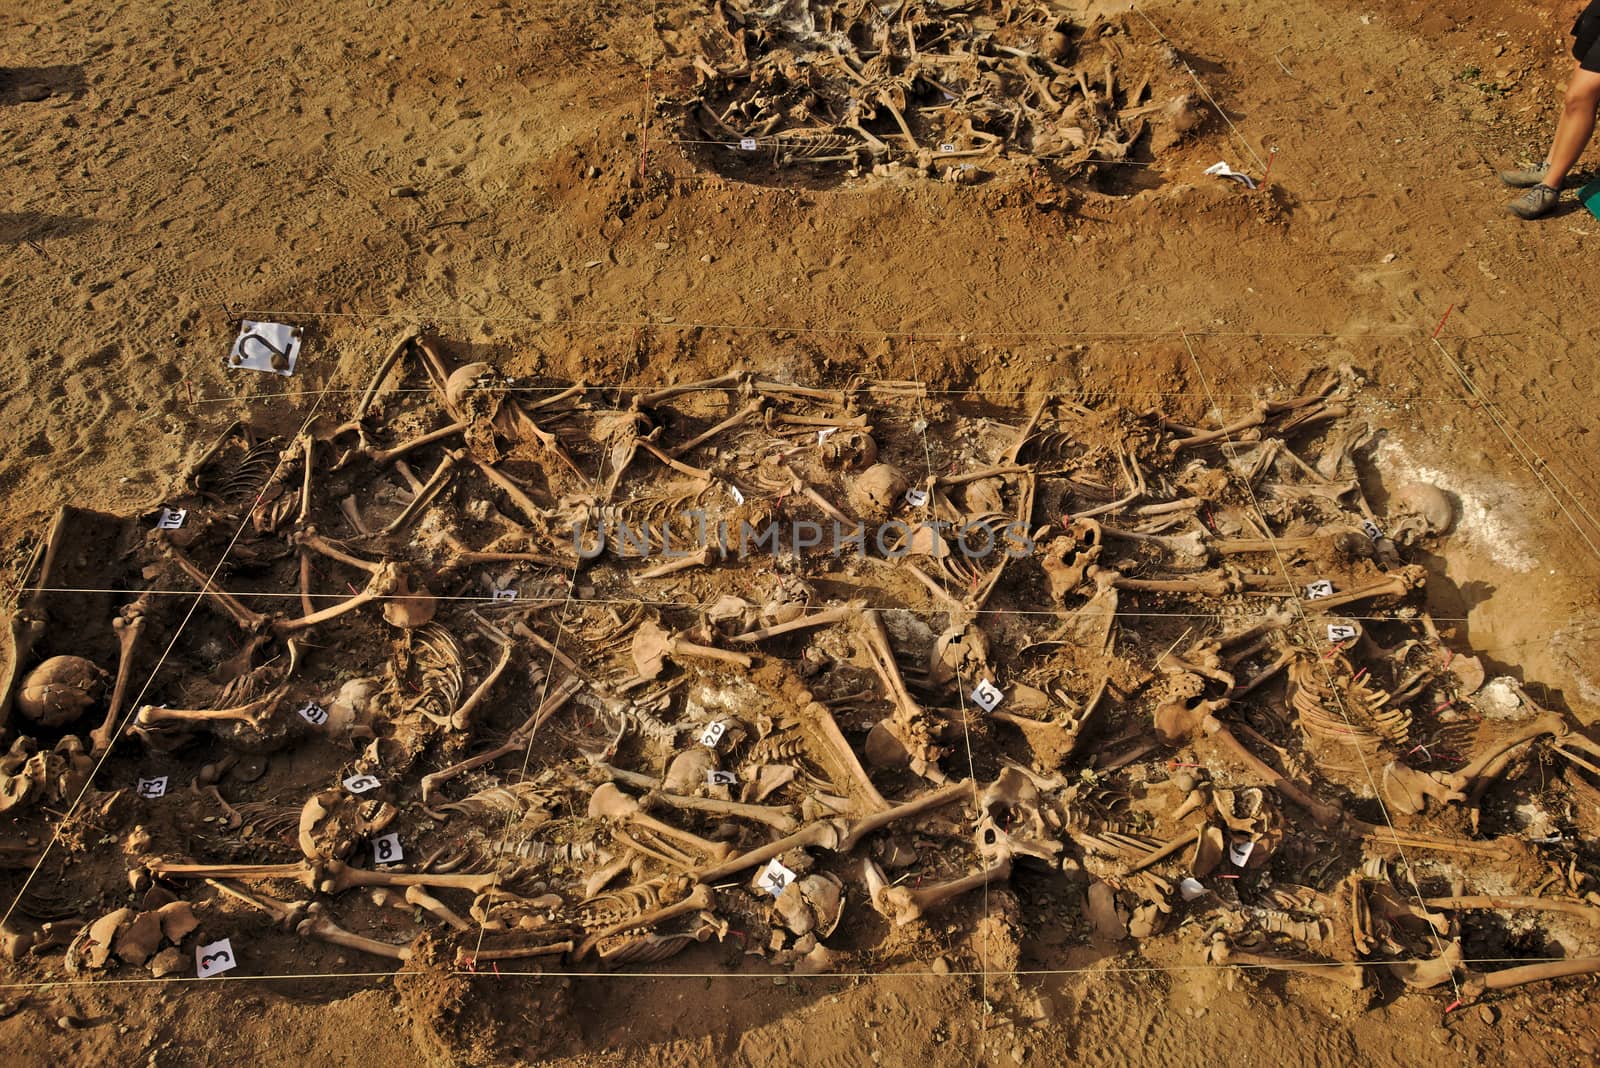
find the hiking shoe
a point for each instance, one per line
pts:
(1525, 178)
(1536, 203)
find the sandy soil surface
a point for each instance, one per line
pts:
(500, 173)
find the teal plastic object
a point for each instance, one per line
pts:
(1589, 197)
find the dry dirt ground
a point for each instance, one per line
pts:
(357, 168)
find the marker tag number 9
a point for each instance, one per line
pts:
(360, 784)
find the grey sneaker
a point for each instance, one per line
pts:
(1524, 179)
(1536, 203)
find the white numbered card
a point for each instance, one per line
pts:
(1371, 529)
(153, 787)
(270, 347)
(1319, 589)
(916, 498)
(822, 435)
(214, 959)
(1339, 632)
(386, 850)
(947, 148)
(713, 734)
(313, 714)
(1191, 888)
(733, 491)
(505, 595)
(1239, 852)
(721, 778)
(171, 518)
(774, 877)
(987, 696)
(747, 143)
(360, 784)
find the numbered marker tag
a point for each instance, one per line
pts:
(505, 595)
(314, 714)
(1319, 589)
(152, 788)
(947, 148)
(386, 850)
(1339, 632)
(822, 435)
(214, 959)
(967, 166)
(987, 696)
(1371, 529)
(713, 734)
(360, 784)
(916, 498)
(270, 347)
(733, 491)
(171, 518)
(1190, 888)
(721, 778)
(748, 144)
(774, 877)
(1239, 852)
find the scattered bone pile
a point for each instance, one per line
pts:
(951, 90)
(481, 674)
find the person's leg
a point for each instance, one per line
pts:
(1575, 126)
(1572, 134)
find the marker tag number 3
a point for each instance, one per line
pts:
(214, 959)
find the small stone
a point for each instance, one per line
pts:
(940, 966)
(591, 171)
(1487, 1014)
(68, 1023)
(404, 191)
(1019, 1053)
(708, 258)
(780, 980)
(33, 93)
(662, 246)
(592, 263)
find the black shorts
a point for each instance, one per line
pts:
(1586, 47)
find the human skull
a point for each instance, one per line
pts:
(59, 690)
(875, 493)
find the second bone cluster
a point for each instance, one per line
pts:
(595, 701)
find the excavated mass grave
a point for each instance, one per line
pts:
(1188, 690)
(811, 91)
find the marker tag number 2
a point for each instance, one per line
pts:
(153, 788)
(214, 959)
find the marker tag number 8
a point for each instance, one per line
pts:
(386, 850)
